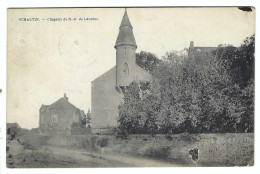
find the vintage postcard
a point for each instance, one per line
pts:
(130, 87)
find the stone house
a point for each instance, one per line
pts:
(61, 117)
(200, 51)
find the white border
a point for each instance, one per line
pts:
(118, 3)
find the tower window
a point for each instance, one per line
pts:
(126, 69)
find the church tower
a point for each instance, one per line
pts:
(106, 90)
(125, 54)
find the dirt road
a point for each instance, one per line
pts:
(19, 156)
(102, 160)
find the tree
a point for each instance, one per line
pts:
(194, 94)
(139, 114)
(129, 119)
(239, 61)
(190, 92)
(147, 60)
(86, 119)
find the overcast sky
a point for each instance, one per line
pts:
(47, 59)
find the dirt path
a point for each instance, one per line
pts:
(89, 159)
(19, 156)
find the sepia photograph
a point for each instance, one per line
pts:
(130, 87)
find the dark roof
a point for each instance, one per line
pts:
(12, 125)
(61, 104)
(44, 107)
(125, 36)
(205, 49)
(125, 21)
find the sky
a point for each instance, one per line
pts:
(47, 59)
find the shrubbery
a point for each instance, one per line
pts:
(194, 94)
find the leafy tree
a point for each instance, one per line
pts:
(136, 114)
(194, 94)
(83, 120)
(129, 118)
(239, 61)
(189, 89)
(146, 60)
(88, 117)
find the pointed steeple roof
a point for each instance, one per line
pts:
(125, 20)
(125, 36)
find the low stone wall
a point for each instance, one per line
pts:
(56, 132)
(75, 141)
(74, 131)
(229, 149)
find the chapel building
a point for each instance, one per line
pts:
(107, 89)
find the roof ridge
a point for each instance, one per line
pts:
(205, 47)
(62, 99)
(103, 74)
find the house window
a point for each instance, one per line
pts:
(54, 119)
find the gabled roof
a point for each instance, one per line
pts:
(44, 107)
(62, 104)
(107, 74)
(200, 50)
(125, 36)
(205, 49)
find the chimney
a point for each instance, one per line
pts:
(65, 97)
(191, 44)
(191, 48)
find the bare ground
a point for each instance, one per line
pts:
(19, 156)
